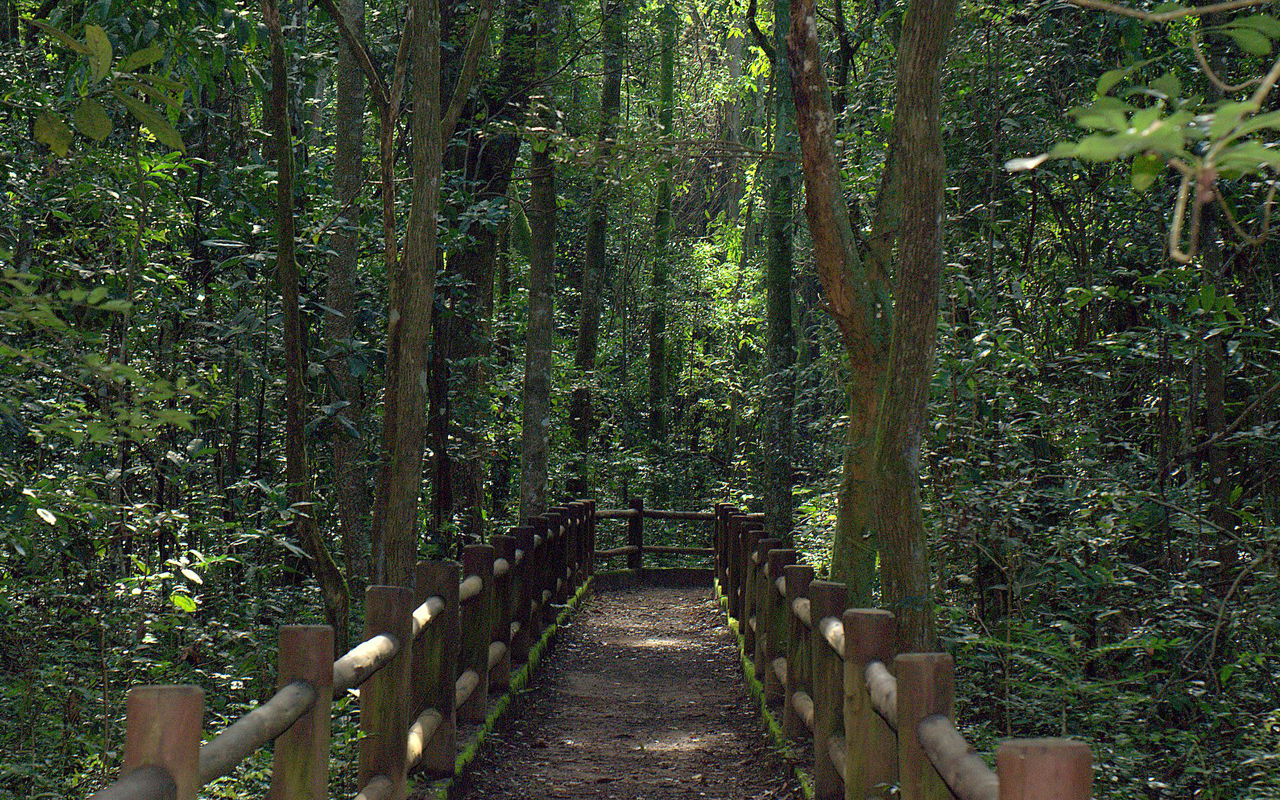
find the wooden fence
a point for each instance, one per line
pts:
(877, 718)
(635, 548)
(431, 657)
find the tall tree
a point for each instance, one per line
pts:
(409, 310)
(333, 587)
(890, 346)
(536, 414)
(351, 489)
(486, 154)
(662, 228)
(613, 23)
(779, 377)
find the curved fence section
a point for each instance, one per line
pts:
(876, 718)
(430, 658)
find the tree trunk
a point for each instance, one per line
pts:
(351, 490)
(917, 159)
(536, 415)
(595, 263)
(411, 290)
(333, 587)
(662, 227)
(886, 410)
(779, 379)
(858, 297)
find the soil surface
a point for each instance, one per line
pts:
(642, 699)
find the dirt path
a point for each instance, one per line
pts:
(642, 700)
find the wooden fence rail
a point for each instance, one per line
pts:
(876, 718)
(431, 656)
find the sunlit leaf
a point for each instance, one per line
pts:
(60, 35)
(53, 132)
(141, 58)
(153, 121)
(183, 602)
(1146, 168)
(99, 45)
(46, 515)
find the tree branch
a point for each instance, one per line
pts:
(470, 65)
(362, 55)
(1166, 16)
(1227, 431)
(762, 41)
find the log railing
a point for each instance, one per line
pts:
(876, 718)
(430, 657)
(635, 548)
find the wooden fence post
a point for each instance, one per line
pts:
(926, 686)
(576, 535)
(1045, 769)
(477, 630)
(435, 662)
(872, 766)
(589, 548)
(557, 531)
(384, 697)
(635, 535)
(162, 738)
(763, 595)
(505, 599)
(751, 535)
(799, 576)
(301, 766)
(776, 612)
(537, 575)
(827, 600)
(523, 589)
(733, 563)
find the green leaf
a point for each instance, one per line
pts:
(141, 58)
(52, 131)
(96, 296)
(151, 119)
(160, 80)
(1226, 117)
(1247, 157)
(1167, 85)
(1111, 77)
(1262, 23)
(183, 602)
(99, 51)
(1146, 169)
(1250, 41)
(154, 92)
(60, 35)
(1257, 122)
(91, 119)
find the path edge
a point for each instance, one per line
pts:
(446, 788)
(777, 739)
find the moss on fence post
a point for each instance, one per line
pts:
(301, 768)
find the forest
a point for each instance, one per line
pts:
(975, 301)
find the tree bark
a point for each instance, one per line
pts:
(662, 227)
(595, 263)
(779, 377)
(333, 587)
(858, 297)
(351, 490)
(917, 159)
(536, 414)
(409, 310)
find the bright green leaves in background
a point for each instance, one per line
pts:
(88, 115)
(1155, 122)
